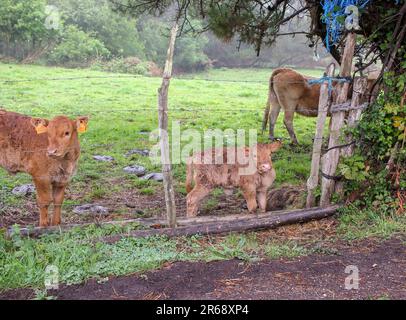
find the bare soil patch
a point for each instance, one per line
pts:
(381, 264)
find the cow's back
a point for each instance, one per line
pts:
(292, 87)
(19, 142)
(225, 174)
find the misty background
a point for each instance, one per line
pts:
(89, 34)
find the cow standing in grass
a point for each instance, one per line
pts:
(48, 150)
(289, 90)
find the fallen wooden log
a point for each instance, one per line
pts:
(268, 221)
(184, 221)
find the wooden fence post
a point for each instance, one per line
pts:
(360, 85)
(324, 105)
(354, 114)
(330, 159)
(163, 131)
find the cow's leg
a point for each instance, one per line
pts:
(58, 193)
(194, 198)
(261, 196)
(288, 121)
(275, 109)
(44, 199)
(250, 195)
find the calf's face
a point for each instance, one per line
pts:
(61, 132)
(264, 160)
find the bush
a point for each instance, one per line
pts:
(77, 49)
(380, 136)
(131, 65)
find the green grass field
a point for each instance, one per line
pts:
(121, 110)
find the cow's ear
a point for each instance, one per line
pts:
(40, 125)
(81, 124)
(275, 146)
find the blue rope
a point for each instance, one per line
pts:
(334, 17)
(329, 81)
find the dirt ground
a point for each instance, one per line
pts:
(381, 264)
(130, 204)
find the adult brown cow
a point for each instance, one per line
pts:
(48, 150)
(292, 92)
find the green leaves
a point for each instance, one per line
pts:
(354, 168)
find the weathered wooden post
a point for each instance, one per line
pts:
(330, 159)
(354, 114)
(163, 131)
(324, 105)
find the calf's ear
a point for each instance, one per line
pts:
(275, 146)
(40, 125)
(81, 124)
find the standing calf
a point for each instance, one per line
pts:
(47, 150)
(254, 176)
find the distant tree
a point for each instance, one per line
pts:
(22, 27)
(258, 23)
(119, 34)
(190, 54)
(77, 48)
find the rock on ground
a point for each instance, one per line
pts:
(103, 158)
(136, 169)
(157, 176)
(91, 209)
(24, 190)
(144, 153)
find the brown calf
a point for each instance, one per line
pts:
(254, 178)
(47, 150)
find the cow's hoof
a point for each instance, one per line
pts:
(191, 214)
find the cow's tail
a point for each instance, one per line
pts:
(189, 175)
(271, 93)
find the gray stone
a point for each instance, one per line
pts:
(103, 158)
(136, 169)
(157, 176)
(91, 209)
(24, 190)
(144, 153)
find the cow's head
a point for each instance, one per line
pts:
(263, 156)
(62, 133)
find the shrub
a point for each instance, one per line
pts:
(77, 49)
(380, 136)
(131, 65)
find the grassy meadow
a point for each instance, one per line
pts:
(122, 110)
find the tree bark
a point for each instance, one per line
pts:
(163, 132)
(330, 159)
(324, 105)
